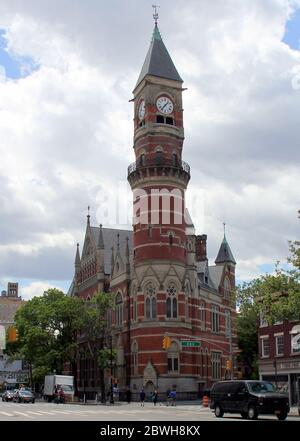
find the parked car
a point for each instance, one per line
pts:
(250, 398)
(7, 395)
(24, 396)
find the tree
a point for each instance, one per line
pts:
(96, 334)
(47, 333)
(275, 296)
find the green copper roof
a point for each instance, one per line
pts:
(158, 61)
(225, 253)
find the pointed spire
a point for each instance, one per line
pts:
(88, 217)
(158, 61)
(225, 253)
(118, 242)
(100, 239)
(112, 261)
(77, 258)
(127, 248)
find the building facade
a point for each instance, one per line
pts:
(10, 302)
(159, 274)
(279, 356)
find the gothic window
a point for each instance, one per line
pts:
(171, 301)
(134, 353)
(187, 294)
(216, 365)
(215, 319)
(142, 159)
(160, 119)
(175, 159)
(164, 120)
(202, 315)
(158, 157)
(150, 302)
(227, 322)
(173, 358)
(119, 309)
(227, 288)
(169, 121)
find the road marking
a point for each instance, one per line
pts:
(24, 414)
(7, 414)
(34, 413)
(47, 413)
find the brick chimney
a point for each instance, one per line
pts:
(201, 248)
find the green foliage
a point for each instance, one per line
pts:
(47, 328)
(275, 296)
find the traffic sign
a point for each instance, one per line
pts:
(190, 343)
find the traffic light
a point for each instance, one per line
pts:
(228, 365)
(166, 342)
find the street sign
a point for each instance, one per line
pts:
(190, 343)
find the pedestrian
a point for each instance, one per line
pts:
(168, 396)
(128, 395)
(173, 397)
(155, 397)
(142, 398)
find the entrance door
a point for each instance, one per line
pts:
(149, 389)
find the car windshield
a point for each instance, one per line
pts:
(27, 393)
(261, 387)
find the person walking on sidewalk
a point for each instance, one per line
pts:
(142, 398)
(155, 397)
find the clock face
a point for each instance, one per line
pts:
(141, 110)
(164, 105)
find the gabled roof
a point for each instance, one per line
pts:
(110, 239)
(225, 253)
(158, 61)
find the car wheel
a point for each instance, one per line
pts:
(219, 411)
(252, 413)
(19, 400)
(33, 401)
(282, 416)
(244, 414)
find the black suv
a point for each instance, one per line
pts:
(249, 398)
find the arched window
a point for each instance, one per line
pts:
(187, 294)
(158, 157)
(119, 309)
(134, 353)
(171, 301)
(173, 358)
(202, 315)
(150, 302)
(142, 159)
(227, 288)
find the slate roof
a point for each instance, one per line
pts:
(110, 240)
(225, 253)
(158, 61)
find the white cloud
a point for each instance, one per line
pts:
(66, 129)
(35, 289)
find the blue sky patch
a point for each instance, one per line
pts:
(292, 31)
(15, 66)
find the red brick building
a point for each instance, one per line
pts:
(279, 356)
(159, 273)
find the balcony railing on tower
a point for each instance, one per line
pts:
(158, 162)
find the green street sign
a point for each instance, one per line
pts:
(190, 343)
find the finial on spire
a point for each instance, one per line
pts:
(224, 226)
(100, 239)
(88, 216)
(155, 15)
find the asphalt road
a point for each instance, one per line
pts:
(42, 411)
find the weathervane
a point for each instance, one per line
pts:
(155, 15)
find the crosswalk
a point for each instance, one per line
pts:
(54, 411)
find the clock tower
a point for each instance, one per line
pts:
(158, 179)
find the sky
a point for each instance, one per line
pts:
(67, 71)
